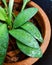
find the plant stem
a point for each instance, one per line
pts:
(23, 6)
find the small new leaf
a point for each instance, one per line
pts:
(24, 16)
(3, 15)
(3, 42)
(4, 1)
(11, 2)
(24, 4)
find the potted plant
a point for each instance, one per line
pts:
(21, 27)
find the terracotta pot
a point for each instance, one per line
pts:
(43, 20)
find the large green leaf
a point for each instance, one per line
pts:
(24, 16)
(24, 37)
(24, 4)
(33, 30)
(32, 52)
(3, 42)
(3, 15)
(11, 2)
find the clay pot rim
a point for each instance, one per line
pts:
(47, 36)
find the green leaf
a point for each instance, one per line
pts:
(32, 52)
(24, 16)
(33, 30)
(4, 1)
(24, 4)
(3, 15)
(0, 23)
(3, 42)
(11, 2)
(24, 37)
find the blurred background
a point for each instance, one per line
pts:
(46, 5)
